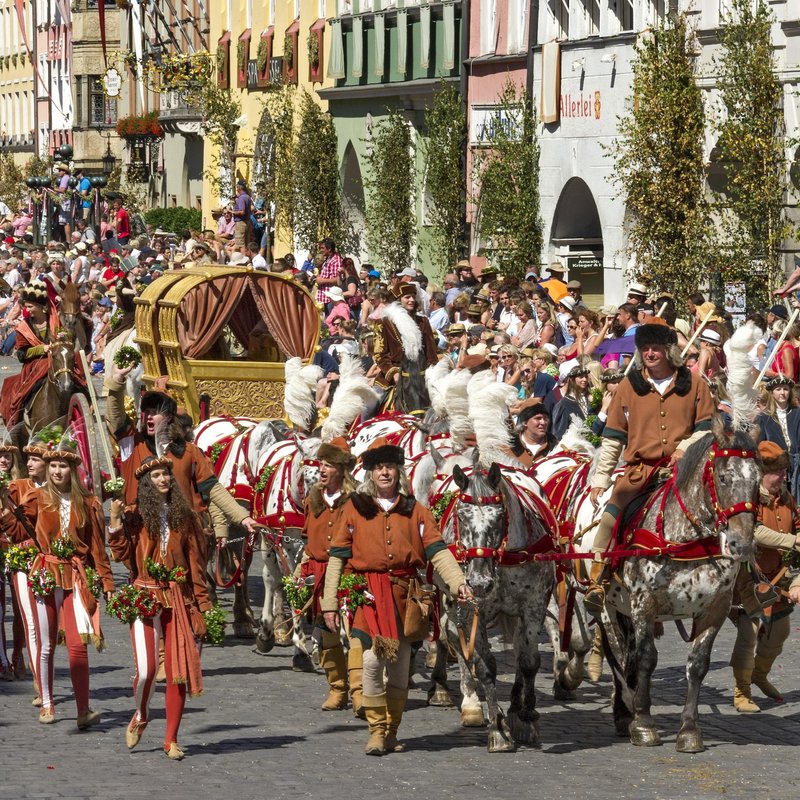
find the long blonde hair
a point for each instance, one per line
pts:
(77, 495)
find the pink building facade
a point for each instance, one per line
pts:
(498, 48)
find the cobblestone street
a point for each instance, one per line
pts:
(257, 732)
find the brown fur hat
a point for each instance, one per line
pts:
(773, 457)
(336, 451)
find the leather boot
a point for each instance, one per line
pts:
(594, 667)
(742, 700)
(395, 705)
(595, 597)
(355, 670)
(375, 710)
(332, 660)
(759, 678)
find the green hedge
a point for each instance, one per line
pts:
(176, 220)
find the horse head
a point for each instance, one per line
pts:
(70, 316)
(305, 468)
(719, 478)
(480, 524)
(62, 366)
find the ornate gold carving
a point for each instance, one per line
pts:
(261, 399)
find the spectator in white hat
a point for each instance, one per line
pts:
(708, 361)
(565, 315)
(637, 293)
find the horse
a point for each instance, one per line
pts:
(496, 523)
(693, 533)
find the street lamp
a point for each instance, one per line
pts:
(108, 158)
(38, 202)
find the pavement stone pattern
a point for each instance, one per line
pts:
(257, 731)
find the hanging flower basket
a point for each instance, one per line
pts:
(261, 56)
(137, 127)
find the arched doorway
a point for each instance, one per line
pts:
(576, 237)
(354, 204)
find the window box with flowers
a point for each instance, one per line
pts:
(224, 61)
(242, 58)
(314, 45)
(264, 56)
(290, 54)
(145, 126)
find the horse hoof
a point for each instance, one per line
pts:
(264, 642)
(302, 663)
(283, 639)
(430, 659)
(561, 693)
(690, 742)
(498, 743)
(243, 630)
(524, 732)
(645, 737)
(473, 718)
(441, 698)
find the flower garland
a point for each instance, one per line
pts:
(116, 318)
(63, 547)
(20, 559)
(93, 582)
(158, 572)
(263, 478)
(353, 592)
(441, 506)
(215, 625)
(4, 479)
(42, 583)
(296, 592)
(127, 356)
(131, 603)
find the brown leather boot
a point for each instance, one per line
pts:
(759, 678)
(742, 699)
(595, 598)
(332, 660)
(594, 666)
(395, 705)
(375, 710)
(355, 671)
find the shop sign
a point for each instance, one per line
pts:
(486, 121)
(586, 105)
(584, 263)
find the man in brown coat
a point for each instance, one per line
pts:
(656, 413)
(404, 348)
(776, 532)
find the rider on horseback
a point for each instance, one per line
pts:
(656, 413)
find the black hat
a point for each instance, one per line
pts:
(382, 452)
(779, 311)
(655, 331)
(154, 401)
(778, 380)
(532, 411)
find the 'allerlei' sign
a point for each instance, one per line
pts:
(587, 105)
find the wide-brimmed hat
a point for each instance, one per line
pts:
(637, 290)
(574, 285)
(335, 293)
(65, 449)
(43, 440)
(456, 329)
(239, 260)
(568, 302)
(381, 451)
(336, 451)
(710, 337)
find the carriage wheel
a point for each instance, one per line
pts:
(80, 417)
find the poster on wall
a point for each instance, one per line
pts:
(551, 82)
(736, 302)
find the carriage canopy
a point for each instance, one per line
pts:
(224, 332)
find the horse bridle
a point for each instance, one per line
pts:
(722, 515)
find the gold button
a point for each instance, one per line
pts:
(663, 427)
(330, 524)
(663, 441)
(479, 551)
(390, 555)
(330, 537)
(388, 541)
(388, 527)
(663, 413)
(327, 549)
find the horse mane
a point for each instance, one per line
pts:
(521, 525)
(696, 453)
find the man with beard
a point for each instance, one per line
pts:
(467, 282)
(657, 412)
(404, 349)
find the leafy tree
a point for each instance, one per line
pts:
(751, 149)
(659, 162)
(507, 174)
(446, 124)
(318, 198)
(12, 182)
(390, 182)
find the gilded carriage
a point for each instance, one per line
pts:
(216, 338)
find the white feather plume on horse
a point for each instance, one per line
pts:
(410, 334)
(435, 378)
(300, 391)
(574, 438)
(353, 396)
(488, 410)
(740, 375)
(457, 399)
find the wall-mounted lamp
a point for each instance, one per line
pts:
(578, 64)
(608, 58)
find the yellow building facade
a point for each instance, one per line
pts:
(261, 47)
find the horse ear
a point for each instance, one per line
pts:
(718, 429)
(495, 477)
(462, 481)
(437, 457)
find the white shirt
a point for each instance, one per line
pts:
(662, 384)
(385, 504)
(64, 508)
